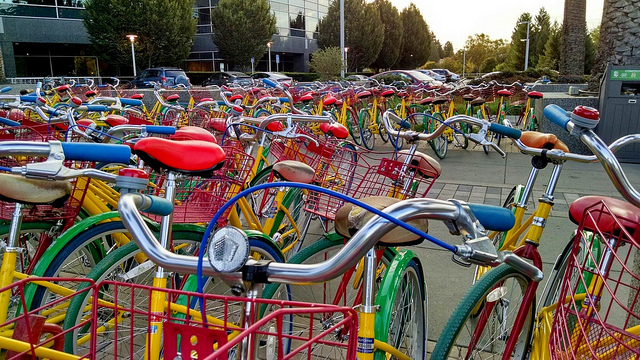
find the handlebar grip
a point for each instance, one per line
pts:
(493, 218)
(155, 205)
(270, 83)
(97, 152)
(5, 89)
(8, 122)
(557, 115)
(505, 130)
(284, 99)
(130, 102)
(98, 108)
(28, 98)
(157, 129)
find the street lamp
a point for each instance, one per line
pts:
(269, 46)
(346, 61)
(132, 38)
(526, 52)
(464, 61)
(343, 53)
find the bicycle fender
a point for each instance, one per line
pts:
(388, 289)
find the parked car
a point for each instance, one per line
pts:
(450, 76)
(360, 80)
(410, 77)
(276, 76)
(228, 77)
(165, 76)
(433, 74)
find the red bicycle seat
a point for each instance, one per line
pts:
(275, 126)
(255, 90)
(335, 129)
(174, 97)
(534, 95)
(363, 94)
(402, 94)
(627, 214)
(62, 88)
(90, 93)
(85, 123)
(193, 133)
(217, 124)
(192, 157)
(329, 100)
(504, 92)
(206, 99)
(235, 97)
(426, 101)
(387, 93)
(137, 96)
(306, 97)
(115, 120)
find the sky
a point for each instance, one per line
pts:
(455, 20)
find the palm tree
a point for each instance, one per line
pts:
(619, 38)
(573, 35)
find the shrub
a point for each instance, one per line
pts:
(327, 63)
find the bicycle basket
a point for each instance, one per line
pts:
(598, 316)
(198, 199)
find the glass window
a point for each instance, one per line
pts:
(311, 13)
(204, 16)
(297, 2)
(35, 2)
(312, 5)
(204, 3)
(71, 3)
(323, 10)
(282, 19)
(296, 21)
(25, 10)
(311, 24)
(279, 7)
(204, 29)
(70, 13)
(323, 2)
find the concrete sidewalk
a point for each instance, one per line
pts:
(474, 176)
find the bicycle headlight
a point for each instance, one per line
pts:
(228, 249)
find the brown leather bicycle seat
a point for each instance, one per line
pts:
(426, 101)
(350, 219)
(468, 97)
(439, 100)
(540, 140)
(627, 214)
(535, 95)
(478, 101)
(191, 157)
(295, 171)
(425, 164)
(17, 189)
(193, 133)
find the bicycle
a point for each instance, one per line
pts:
(492, 291)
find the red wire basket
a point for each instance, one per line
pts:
(119, 318)
(598, 316)
(360, 174)
(198, 198)
(303, 150)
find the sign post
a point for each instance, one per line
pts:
(277, 61)
(253, 61)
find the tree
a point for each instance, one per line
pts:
(452, 64)
(481, 47)
(326, 62)
(448, 49)
(619, 38)
(573, 37)
(590, 49)
(363, 33)
(539, 36)
(417, 39)
(392, 29)
(551, 55)
(517, 48)
(165, 30)
(242, 29)
(437, 52)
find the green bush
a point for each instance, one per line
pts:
(327, 63)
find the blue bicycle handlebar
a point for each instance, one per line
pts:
(111, 153)
(557, 115)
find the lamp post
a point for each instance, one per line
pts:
(343, 52)
(526, 51)
(346, 59)
(132, 38)
(269, 46)
(464, 61)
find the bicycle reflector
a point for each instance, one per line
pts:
(228, 249)
(585, 116)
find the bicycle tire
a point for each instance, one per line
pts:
(29, 239)
(441, 143)
(354, 126)
(450, 336)
(368, 137)
(382, 130)
(401, 307)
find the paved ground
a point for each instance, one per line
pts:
(474, 176)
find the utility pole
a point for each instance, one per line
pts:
(342, 52)
(526, 51)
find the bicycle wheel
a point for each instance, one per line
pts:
(382, 130)
(354, 126)
(439, 144)
(31, 234)
(342, 291)
(490, 134)
(503, 287)
(460, 134)
(402, 322)
(120, 265)
(368, 137)
(170, 117)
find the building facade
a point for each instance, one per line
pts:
(47, 38)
